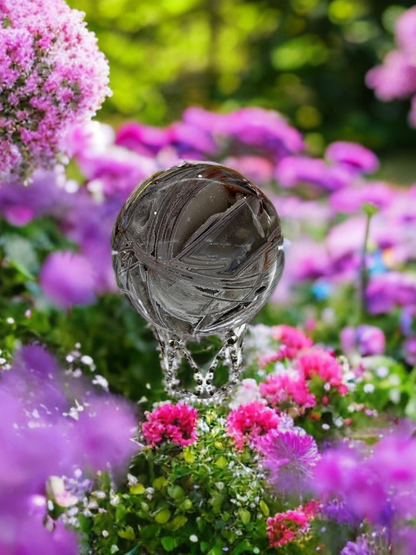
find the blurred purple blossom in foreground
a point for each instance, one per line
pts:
(44, 433)
(52, 76)
(366, 340)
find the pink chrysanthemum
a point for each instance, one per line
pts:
(248, 423)
(290, 457)
(286, 390)
(318, 362)
(287, 527)
(52, 75)
(292, 341)
(174, 423)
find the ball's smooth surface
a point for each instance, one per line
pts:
(197, 249)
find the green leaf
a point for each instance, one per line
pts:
(162, 517)
(127, 533)
(244, 515)
(176, 492)
(221, 462)
(177, 522)
(264, 508)
(169, 543)
(137, 489)
(160, 483)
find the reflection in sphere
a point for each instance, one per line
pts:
(197, 249)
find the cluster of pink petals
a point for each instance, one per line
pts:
(317, 362)
(52, 75)
(171, 423)
(290, 526)
(292, 340)
(396, 77)
(247, 423)
(286, 389)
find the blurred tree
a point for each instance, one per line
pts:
(305, 58)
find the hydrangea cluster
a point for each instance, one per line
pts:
(52, 76)
(396, 77)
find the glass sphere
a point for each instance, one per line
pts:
(197, 249)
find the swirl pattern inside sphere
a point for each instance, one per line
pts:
(197, 249)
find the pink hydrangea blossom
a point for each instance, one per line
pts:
(290, 526)
(52, 75)
(318, 362)
(287, 390)
(248, 423)
(173, 423)
(291, 339)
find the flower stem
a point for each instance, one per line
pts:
(369, 210)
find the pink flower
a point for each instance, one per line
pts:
(52, 75)
(352, 155)
(292, 340)
(247, 423)
(318, 362)
(287, 389)
(174, 423)
(290, 526)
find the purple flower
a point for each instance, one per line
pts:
(143, 139)
(389, 290)
(409, 350)
(255, 127)
(294, 170)
(290, 457)
(351, 200)
(353, 155)
(367, 340)
(359, 547)
(406, 31)
(52, 76)
(396, 78)
(67, 279)
(104, 431)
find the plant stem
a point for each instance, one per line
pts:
(369, 210)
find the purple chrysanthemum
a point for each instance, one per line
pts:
(52, 75)
(290, 457)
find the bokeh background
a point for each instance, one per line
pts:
(304, 58)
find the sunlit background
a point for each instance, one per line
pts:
(304, 58)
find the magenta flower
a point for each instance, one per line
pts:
(284, 528)
(317, 362)
(67, 279)
(52, 75)
(367, 340)
(287, 391)
(352, 155)
(352, 200)
(406, 31)
(290, 457)
(248, 423)
(291, 340)
(171, 423)
(396, 78)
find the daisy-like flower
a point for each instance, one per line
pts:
(52, 75)
(290, 457)
(248, 423)
(173, 423)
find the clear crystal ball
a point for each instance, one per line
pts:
(197, 249)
